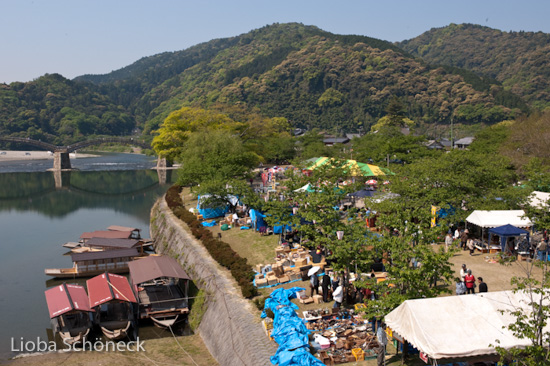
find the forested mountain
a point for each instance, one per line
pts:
(311, 77)
(518, 60)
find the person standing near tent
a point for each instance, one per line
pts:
(382, 341)
(482, 285)
(464, 239)
(542, 250)
(463, 272)
(325, 284)
(470, 282)
(314, 284)
(448, 241)
(338, 296)
(471, 246)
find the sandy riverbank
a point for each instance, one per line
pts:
(6, 155)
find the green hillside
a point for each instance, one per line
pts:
(309, 76)
(518, 60)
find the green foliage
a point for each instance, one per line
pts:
(530, 319)
(513, 61)
(212, 158)
(198, 308)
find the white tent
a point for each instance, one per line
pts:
(539, 199)
(459, 326)
(496, 218)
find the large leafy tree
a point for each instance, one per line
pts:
(179, 125)
(212, 159)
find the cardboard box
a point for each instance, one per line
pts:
(270, 273)
(295, 275)
(259, 268)
(272, 280)
(300, 262)
(317, 299)
(259, 276)
(262, 282)
(278, 270)
(284, 279)
(307, 300)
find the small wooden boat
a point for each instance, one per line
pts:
(89, 264)
(113, 300)
(161, 286)
(70, 312)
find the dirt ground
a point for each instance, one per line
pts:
(186, 350)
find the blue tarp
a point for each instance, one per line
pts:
(209, 224)
(289, 331)
(257, 219)
(209, 210)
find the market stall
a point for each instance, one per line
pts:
(465, 329)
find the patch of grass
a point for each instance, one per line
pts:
(197, 307)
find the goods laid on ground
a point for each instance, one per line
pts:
(290, 264)
(340, 336)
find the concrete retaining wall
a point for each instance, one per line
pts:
(230, 327)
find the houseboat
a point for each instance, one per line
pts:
(70, 312)
(114, 302)
(93, 263)
(101, 244)
(112, 232)
(161, 286)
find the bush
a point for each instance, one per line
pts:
(219, 250)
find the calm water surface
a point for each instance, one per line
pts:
(36, 218)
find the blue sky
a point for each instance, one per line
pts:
(75, 37)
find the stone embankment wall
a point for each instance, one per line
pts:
(230, 327)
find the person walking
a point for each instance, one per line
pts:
(470, 282)
(482, 285)
(314, 284)
(448, 241)
(470, 245)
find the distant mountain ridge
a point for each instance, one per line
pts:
(312, 77)
(518, 60)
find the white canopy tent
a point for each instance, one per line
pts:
(496, 218)
(539, 199)
(459, 326)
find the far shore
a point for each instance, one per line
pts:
(11, 155)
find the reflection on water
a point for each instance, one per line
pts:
(37, 216)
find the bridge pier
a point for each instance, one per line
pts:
(162, 163)
(61, 161)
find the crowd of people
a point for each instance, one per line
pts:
(467, 283)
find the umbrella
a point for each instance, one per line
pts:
(313, 270)
(355, 168)
(371, 182)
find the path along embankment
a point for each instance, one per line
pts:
(230, 327)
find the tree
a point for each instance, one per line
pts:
(180, 124)
(530, 318)
(212, 159)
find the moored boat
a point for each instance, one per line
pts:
(93, 263)
(70, 312)
(161, 286)
(113, 300)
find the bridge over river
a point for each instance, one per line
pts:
(62, 159)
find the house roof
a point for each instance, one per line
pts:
(464, 141)
(122, 228)
(107, 287)
(153, 267)
(335, 140)
(460, 326)
(108, 254)
(113, 243)
(64, 298)
(111, 234)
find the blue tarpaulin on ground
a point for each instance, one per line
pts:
(210, 210)
(209, 224)
(289, 331)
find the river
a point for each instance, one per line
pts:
(38, 214)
